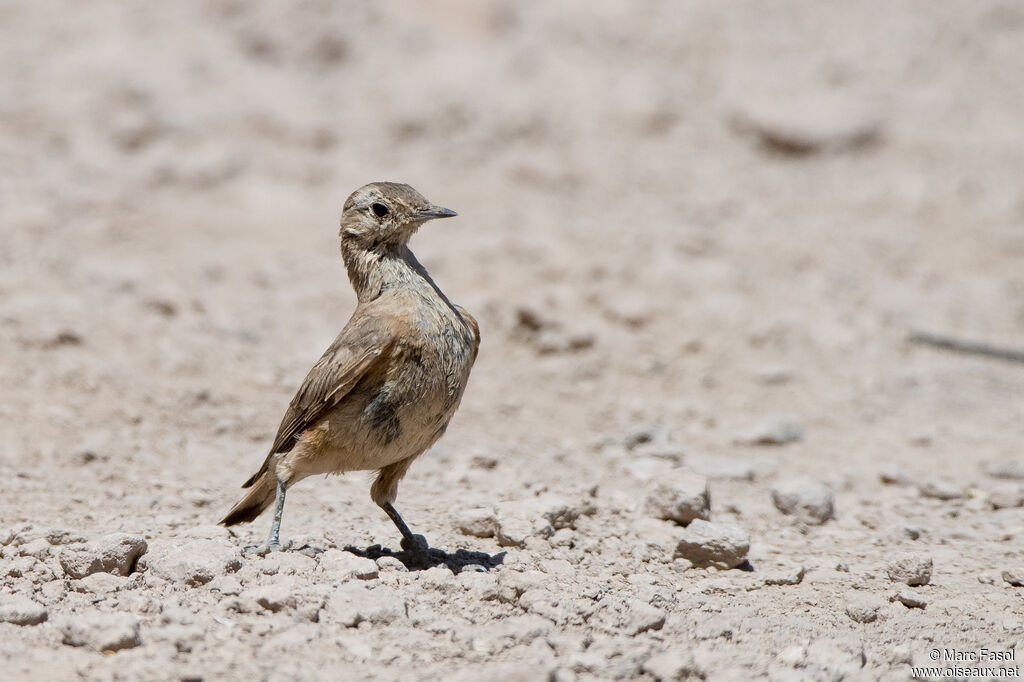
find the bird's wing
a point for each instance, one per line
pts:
(352, 355)
(473, 325)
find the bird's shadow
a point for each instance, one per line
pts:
(424, 557)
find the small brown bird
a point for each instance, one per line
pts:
(387, 387)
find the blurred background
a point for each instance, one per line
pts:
(696, 236)
(686, 214)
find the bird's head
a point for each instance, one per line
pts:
(386, 214)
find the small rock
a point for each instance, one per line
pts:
(1006, 497)
(672, 665)
(480, 522)
(862, 608)
(7, 536)
(894, 477)
(941, 490)
(714, 544)
(1009, 468)
(38, 548)
(195, 562)
(912, 532)
(99, 583)
(117, 554)
(909, 599)
(1014, 577)
(776, 430)
(20, 610)
(342, 565)
(785, 575)
(391, 563)
(912, 570)
(61, 536)
(774, 375)
(809, 501)
(810, 123)
(102, 631)
(519, 521)
(680, 497)
(654, 440)
(644, 617)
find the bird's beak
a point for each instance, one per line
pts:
(432, 212)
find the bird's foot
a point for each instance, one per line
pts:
(264, 550)
(312, 551)
(416, 544)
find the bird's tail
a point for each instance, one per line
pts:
(256, 500)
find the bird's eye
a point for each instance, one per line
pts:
(379, 210)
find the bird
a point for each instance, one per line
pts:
(385, 390)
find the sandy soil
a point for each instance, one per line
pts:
(686, 229)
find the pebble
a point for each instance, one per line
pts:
(341, 565)
(862, 608)
(533, 518)
(894, 477)
(20, 610)
(1007, 496)
(194, 562)
(478, 522)
(1008, 468)
(776, 430)
(910, 569)
(117, 554)
(99, 583)
(774, 375)
(644, 617)
(681, 497)
(38, 549)
(672, 665)
(390, 563)
(940, 490)
(811, 123)
(909, 599)
(1014, 577)
(102, 631)
(719, 545)
(785, 575)
(809, 501)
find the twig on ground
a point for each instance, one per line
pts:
(969, 347)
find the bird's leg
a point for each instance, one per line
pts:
(274, 541)
(410, 542)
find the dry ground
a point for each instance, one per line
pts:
(678, 218)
